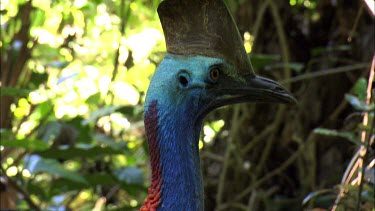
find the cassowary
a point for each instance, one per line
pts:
(206, 67)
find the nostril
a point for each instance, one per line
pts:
(183, 80)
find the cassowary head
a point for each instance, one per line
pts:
(207, 66)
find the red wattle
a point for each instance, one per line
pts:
(154, 192)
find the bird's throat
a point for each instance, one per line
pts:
(176, 175)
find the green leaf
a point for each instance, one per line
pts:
(63, 185)
(12, 91)
(93, 99)
(101, 179)
(133, 113)
(347, 135)
(5, 133)
(100, 113)
(46, 53)
(38, 188)
(38, 17)
(126, 110)
(321, 50)
(29, 145)
(360, 88)
(49, 131)
(37, 79)
(42, 110)
(79, 151)
(358, 104)
(130, 175)
(295, 66)
(84, 131)
(102, 139)
(319, 195)
(123, 208)
(368, 193)
(259, 61)
(51, 166)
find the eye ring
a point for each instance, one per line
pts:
(183, 79)
(215, 74)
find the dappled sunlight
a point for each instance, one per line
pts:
(125, 92)
(46, 37)
(209, 134)
(26, 173)
(65, 111)
(23, 108)
(142, 43)
(70, 30)
(12, 171)
(103, 19)
(85, 195)
(306, 3)
(105, 123)
(86, 87)
(38, 96)
(79, 81)
(12, 9)
(66, 54)
(91, 72)
(210, 130)
(200, 144)
(104, 82)
(4, 4)
(25, 128)
(137, 75)
(124, 54)
(80, 3)
(133, 203)
(9, 161)
(70, 97)
(52, 20)
(83, 110)
(248, 42)
(120, 122)
(42, 4)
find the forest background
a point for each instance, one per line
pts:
(74, 74)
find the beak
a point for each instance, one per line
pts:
(259, 89)
(250, 89)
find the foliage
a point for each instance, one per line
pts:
(74, 75)
(76, 133)
(351, 193)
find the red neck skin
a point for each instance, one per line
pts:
(154, 192)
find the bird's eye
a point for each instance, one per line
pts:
(214, 74)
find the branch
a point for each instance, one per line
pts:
(285, 55)
(358, 159)
(273, 173)
(366, 142)
(234, 130)
(326, 72)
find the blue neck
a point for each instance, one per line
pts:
(173, 128)
(178, 136)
